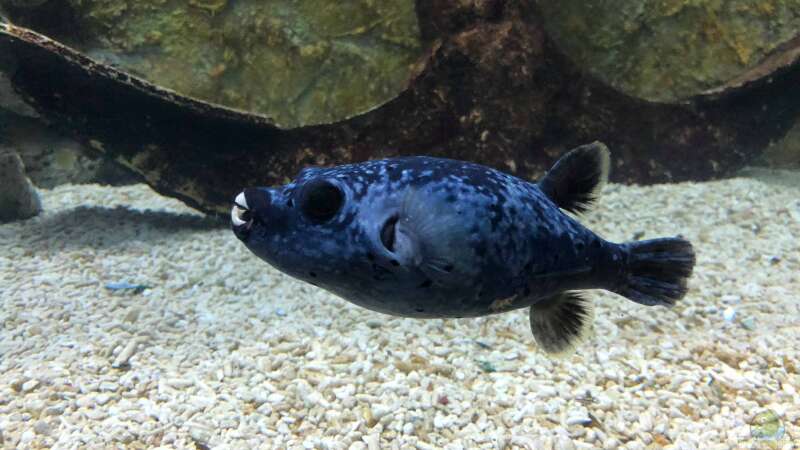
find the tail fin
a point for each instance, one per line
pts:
(657, 271)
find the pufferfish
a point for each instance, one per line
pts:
(429, 237)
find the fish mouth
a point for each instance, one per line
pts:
(389, 233)
(241, 216)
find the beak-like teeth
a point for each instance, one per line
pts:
(239, 208)
(241, 200)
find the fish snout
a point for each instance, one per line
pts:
(241, 216)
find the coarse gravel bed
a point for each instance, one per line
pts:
(221, 351)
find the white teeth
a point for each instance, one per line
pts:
(235, 212)
(241, 201)
(239, 208)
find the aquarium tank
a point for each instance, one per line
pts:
(400, 224)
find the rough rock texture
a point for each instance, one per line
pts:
(52, 159)
(786, 152)
(18, 199)
(493, 90)
(299, 62)
(671, 50)
(12, 103)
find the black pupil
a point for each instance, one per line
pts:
(321, 200)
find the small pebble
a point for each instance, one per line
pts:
(18, 198)
(729, 314)
(102, 399)
(108, 386)
(578, 420)
(55, 410)
(30, 385)
(132, 315)
(748, 323)
(123, 358)
(42, 427)
(27, 437)
(373, 441)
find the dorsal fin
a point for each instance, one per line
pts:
(576, 179)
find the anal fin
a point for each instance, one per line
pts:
(560, 322)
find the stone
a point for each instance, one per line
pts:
(785, 154)
(299, 62)
(30, 385)
(492, 89)
(11, 102)
(42, 427)
(668, 51)
(18, 198)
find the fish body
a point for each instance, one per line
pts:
(432, 238)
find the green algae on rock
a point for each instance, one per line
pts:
(669, 50)
(491, 90)
(299, 62)
(786, 152)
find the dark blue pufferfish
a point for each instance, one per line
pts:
(433, 238)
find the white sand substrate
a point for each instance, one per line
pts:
(221, 351)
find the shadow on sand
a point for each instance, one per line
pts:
(98, 227)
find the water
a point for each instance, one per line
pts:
(131, 320)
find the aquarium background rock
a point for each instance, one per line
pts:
(493, 88)
(18, 199)
(52, 159)
(669, 50)
(299, 62)
(786, 152)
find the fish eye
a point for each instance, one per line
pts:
(320, 200)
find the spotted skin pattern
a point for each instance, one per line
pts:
(471, 240)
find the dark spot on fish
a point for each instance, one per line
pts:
(480, 249)
(596, 243)
(394, 262)
(370, 257)
(497, 215)
(290, 203)
(528, 266)
(580, 246)
(450, 198)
